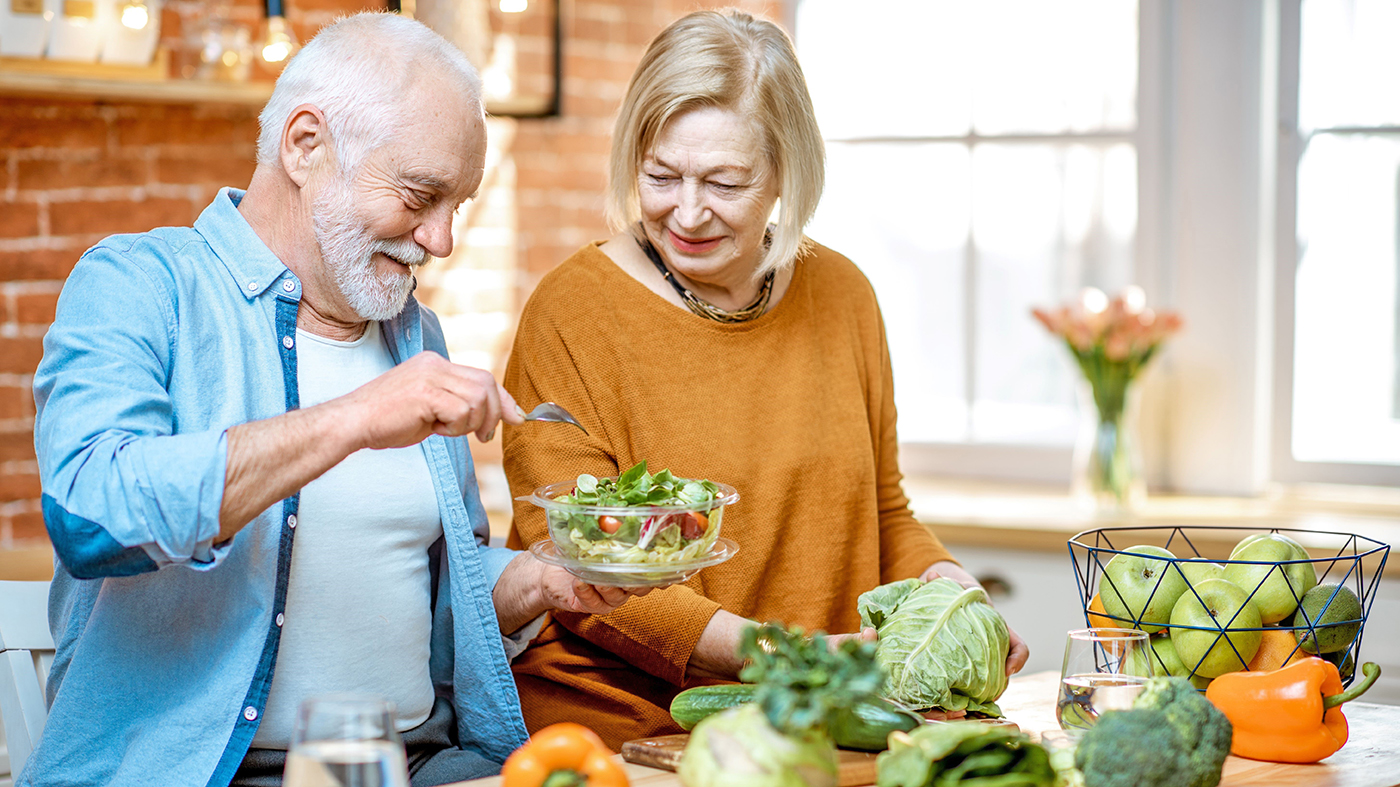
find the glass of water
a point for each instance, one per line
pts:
(346, 740)
(1104, 669)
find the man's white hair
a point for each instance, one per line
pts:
(358, 71)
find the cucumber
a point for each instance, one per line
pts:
(865, 726)
(692, 705)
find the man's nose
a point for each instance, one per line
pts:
(435, 233)
(690, 208)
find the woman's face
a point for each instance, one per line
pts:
(706, 193)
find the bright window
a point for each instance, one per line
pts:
(981, 160)
(1345, 394)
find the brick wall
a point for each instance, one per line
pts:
(74, 172)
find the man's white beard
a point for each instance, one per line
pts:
(348, 248)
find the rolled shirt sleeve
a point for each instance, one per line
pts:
(123, 493)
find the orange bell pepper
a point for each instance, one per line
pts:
(563, 755)
(1290, 714)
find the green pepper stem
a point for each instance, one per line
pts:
(565, 777)
(1370, 671)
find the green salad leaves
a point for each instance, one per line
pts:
(943, 645)
(780, 739)
(677, 519)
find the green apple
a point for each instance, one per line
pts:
(1279, 587)
(1158, 660)
(1247, 540)
(1141, 588)
(1210, 616)
(1198, 571)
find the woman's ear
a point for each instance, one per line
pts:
(305, 138)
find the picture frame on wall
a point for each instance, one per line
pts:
(515, 45)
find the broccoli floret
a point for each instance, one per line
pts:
(1132, 749)
(1204, 730)
(1173, 737)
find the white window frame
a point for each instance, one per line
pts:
(1217, 153)
(1291, 145)
(1039, 463)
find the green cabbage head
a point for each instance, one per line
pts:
(942, 645)
(739, 748)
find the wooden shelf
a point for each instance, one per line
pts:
(99, 82)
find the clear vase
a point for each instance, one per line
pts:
(1107, 469)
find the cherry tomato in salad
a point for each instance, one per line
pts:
(693, 525)
(609, 524)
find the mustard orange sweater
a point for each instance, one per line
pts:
(794, 409)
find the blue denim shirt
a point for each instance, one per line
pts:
(165, 641)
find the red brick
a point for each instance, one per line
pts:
(20, 355)
(24, 486)
(39, 264)
(86, 217)
(177, 127)
(106, 171)
(338, 6)
(226, 170)
(19, 219)
(28, 527)
(17, 131)
(35, 308)
(17, 446)
(16, 402)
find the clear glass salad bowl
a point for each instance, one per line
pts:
(633, 545)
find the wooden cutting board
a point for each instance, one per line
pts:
(664, 752)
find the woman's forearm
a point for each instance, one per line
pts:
(716, 654)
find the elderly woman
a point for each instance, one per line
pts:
(705, 340)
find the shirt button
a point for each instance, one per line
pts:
(287, 342)
(250, 713)
(252, 286)
(279, 620)
(292, 521)
(289, 285)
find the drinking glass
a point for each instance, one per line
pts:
(1105, 669)
(346, 740)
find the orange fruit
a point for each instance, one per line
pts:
(1100, 620)
(1274, 651)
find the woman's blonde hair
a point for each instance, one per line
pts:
(732, 61)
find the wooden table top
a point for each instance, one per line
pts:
(1371, 757)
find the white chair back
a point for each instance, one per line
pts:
(26, 654)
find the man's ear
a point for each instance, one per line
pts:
(305, 139)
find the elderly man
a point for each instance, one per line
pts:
(227, 544)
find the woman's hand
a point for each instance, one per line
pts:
(528, 588)
(1019, 652)
(866, 634)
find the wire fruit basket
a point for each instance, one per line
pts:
(1166, 580)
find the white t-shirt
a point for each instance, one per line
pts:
(357, 615)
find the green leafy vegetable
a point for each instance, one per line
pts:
(646, 536)
(802, 682)
(780, 739)
(963, 753)
(942, 645)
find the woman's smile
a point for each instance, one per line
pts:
(693, 245)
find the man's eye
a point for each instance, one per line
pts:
(661, 178)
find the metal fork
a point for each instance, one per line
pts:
(549, 411)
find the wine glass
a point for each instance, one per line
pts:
(346, 740)
(1104, 669)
